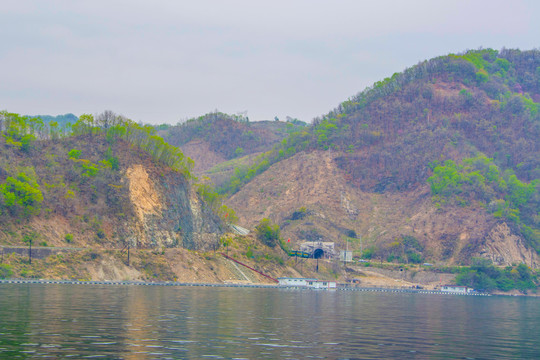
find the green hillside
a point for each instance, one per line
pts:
(78, 173)
(231, 136)
(469, 123)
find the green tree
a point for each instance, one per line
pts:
(239, 151)
(268, 233)
(68, 238)
(22, 193)
(113, 160)
(27, 142)
(74, 154)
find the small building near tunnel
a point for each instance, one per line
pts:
(294, 281)
(318, 249)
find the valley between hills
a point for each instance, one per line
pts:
(437, 165)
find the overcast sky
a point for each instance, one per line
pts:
(165, 61)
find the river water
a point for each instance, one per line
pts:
(139, 322)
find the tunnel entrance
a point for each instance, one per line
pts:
(318, 254)
(318, 249)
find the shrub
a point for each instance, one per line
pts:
(411, 242)
(414, 257)
(482, 275)
(68, 238)
(239, 151)
(267, 233)
(74, 153)
(368, 253)
(299, 214)
(5, 271)
(100, 234)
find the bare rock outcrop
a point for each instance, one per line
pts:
(169, 213)
(505, 248)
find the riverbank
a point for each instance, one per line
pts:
(184, 267)
(340, 287)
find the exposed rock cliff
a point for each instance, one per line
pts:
(169, 213)
(89, 204)
(505, 248)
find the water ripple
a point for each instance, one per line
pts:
(59, 321)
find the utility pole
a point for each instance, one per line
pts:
(29, 238)
(30, 251)
(346, 251)
(127, 246)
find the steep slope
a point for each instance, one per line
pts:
(384, 143)
(107, 199)
(335, 210)
(216, 137)
(168, 264)
(98, 190)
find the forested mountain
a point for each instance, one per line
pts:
(439, 163)
(217, 137)
(108, 199)
(464, 128)
(101, 182)
(82, 196)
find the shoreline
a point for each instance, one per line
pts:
(238, 285)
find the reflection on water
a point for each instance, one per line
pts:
(134, 322)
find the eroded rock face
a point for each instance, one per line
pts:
(142, 193)
(451, 234)
(505, 248)
(169, 213)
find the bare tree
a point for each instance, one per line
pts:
(106, 119)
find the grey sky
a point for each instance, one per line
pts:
(163, 61)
